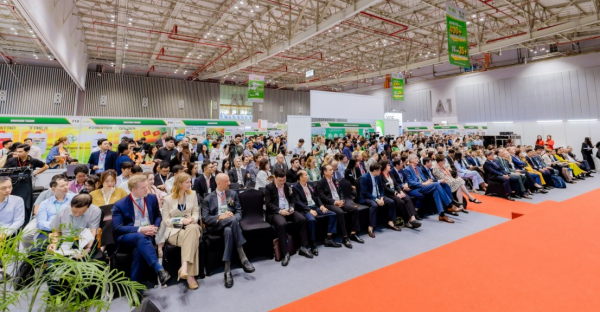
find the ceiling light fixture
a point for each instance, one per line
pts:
(473, 16)
(251, 11)
(481, 19)
(235, 7)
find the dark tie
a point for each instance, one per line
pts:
(477, 161)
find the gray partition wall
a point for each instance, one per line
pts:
(291, 102)
(33, 90)
(564, 95)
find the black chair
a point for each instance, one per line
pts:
(494, 188)
(234, 186)
(214, 246)
(258, 233)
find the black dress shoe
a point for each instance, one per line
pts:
(455, 203)
(305, 252)
(413, 224)
(331, 243)
(285, 260)
(163, 276)
(314, 250)
(510, 198)
(347, 243)
(228, 280)
(356, 238)
(418, 217)
(543, 191)
(517, 196)
(247, 266)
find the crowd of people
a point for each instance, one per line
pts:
(188, 192)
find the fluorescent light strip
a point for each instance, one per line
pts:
(576, 120)
(502, 122)
(558, 120)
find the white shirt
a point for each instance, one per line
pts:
(35, 152)
(124, 187)
(169, 184)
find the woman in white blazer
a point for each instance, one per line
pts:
(180, 215)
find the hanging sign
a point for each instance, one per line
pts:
(398, 86)
(256, 88)
(458, 44)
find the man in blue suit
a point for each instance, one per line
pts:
(136, 219)
(496, 173)
(419, 183)
(428, 174)
(397, 173)
(103, 159)
(372, 194)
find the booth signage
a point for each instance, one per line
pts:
(458, 44)
(34, 120)
(256, 88)
(445, 127)
(417, 128)
(129, 122)
(351, 125)
(471, 127)
(222, 123)
(398, 86)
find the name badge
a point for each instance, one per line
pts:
(223, 209)
(285, 206)
(144, 222)
(311, 202)
(209, 191)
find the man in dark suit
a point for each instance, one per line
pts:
(307, 203)
(237, 174)
(371, 194)
(205, 184)
(221, 212)
(292, 174)
(361, 170)
(398, 175)
(502, 161)
(428, 174)
(279, 201)
(280, 164)
(330, 195)
(496, 173)
(195, 147)
(418, 182)
(103, 159)
(136, 219)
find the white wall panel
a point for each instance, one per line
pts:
(344, 105)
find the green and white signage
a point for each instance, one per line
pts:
(256, 88)
(458, 44)
(398, 86)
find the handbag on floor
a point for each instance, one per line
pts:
(558, 182)
(278, 254)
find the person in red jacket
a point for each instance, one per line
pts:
(539, 141)
(549, 141)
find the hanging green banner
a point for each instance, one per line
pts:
(331, 133)
(398, 86)
(256, 88)
(458, 44)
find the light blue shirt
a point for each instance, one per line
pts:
(380, 147)
(341, 169)
(49, 208)
(375, 193)
(408, 144)
(478, 142)
(101, 161)
(12, 214)
(283, 203)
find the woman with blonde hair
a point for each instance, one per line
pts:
(314, 173)
(58, 155)
(180, 216)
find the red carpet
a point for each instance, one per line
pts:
(546, 260)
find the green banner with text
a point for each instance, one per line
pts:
(458, 44)
(256, 88)
(398, 86)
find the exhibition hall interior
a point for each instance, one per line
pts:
(299, 155)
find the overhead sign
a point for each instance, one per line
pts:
(310, 73)
(398, 86)
(256, 88)
(458, 44)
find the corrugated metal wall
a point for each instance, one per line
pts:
(124, 96)
(565, 95)
(30, 90)
(416, 105)
(292, 103)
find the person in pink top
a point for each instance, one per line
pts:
(81, 174)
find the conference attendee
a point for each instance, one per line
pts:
(12, 210)
(135, 170)
(336, 173)
(23, 159)
(496, 173)
(350, 173)
(216, 152)
(319, 149)
(571, 157)
(104, 159)
(195, 146)
(71, 220)
(203, 154)
(250, 151)
(427, 172)
(51, 206)
(123, 150)
(168, 152)
(237, 174)
(426, 187)
(81, 175)
(108, 193)
(126, 167)
(177, 169)
(252, 167)
(348, 149)
(312, 169)
(307, 203)
(58, 154)
(577, 172)
(34, 151)
(549, 142)
(279, 201)
(262, 178)
(136, 219)
(478, 141)
(539, 141)
(535, 179)
(403, 203)
(544, 176)
(185, 156)
(342, 164)
(538, 164)
(6, 144)
(292, 173)
(163, 174)
(205, 184)
(503, 161)
(299, 149)
(330, 195)
(372, 195)
(221, 212)
(373, 159)
(547, 157)
(160, 195)
(587, 149)
(161, 141)
(276, 147)
(180, 214)
(456, 184)
(280, 163)
(361, 164)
